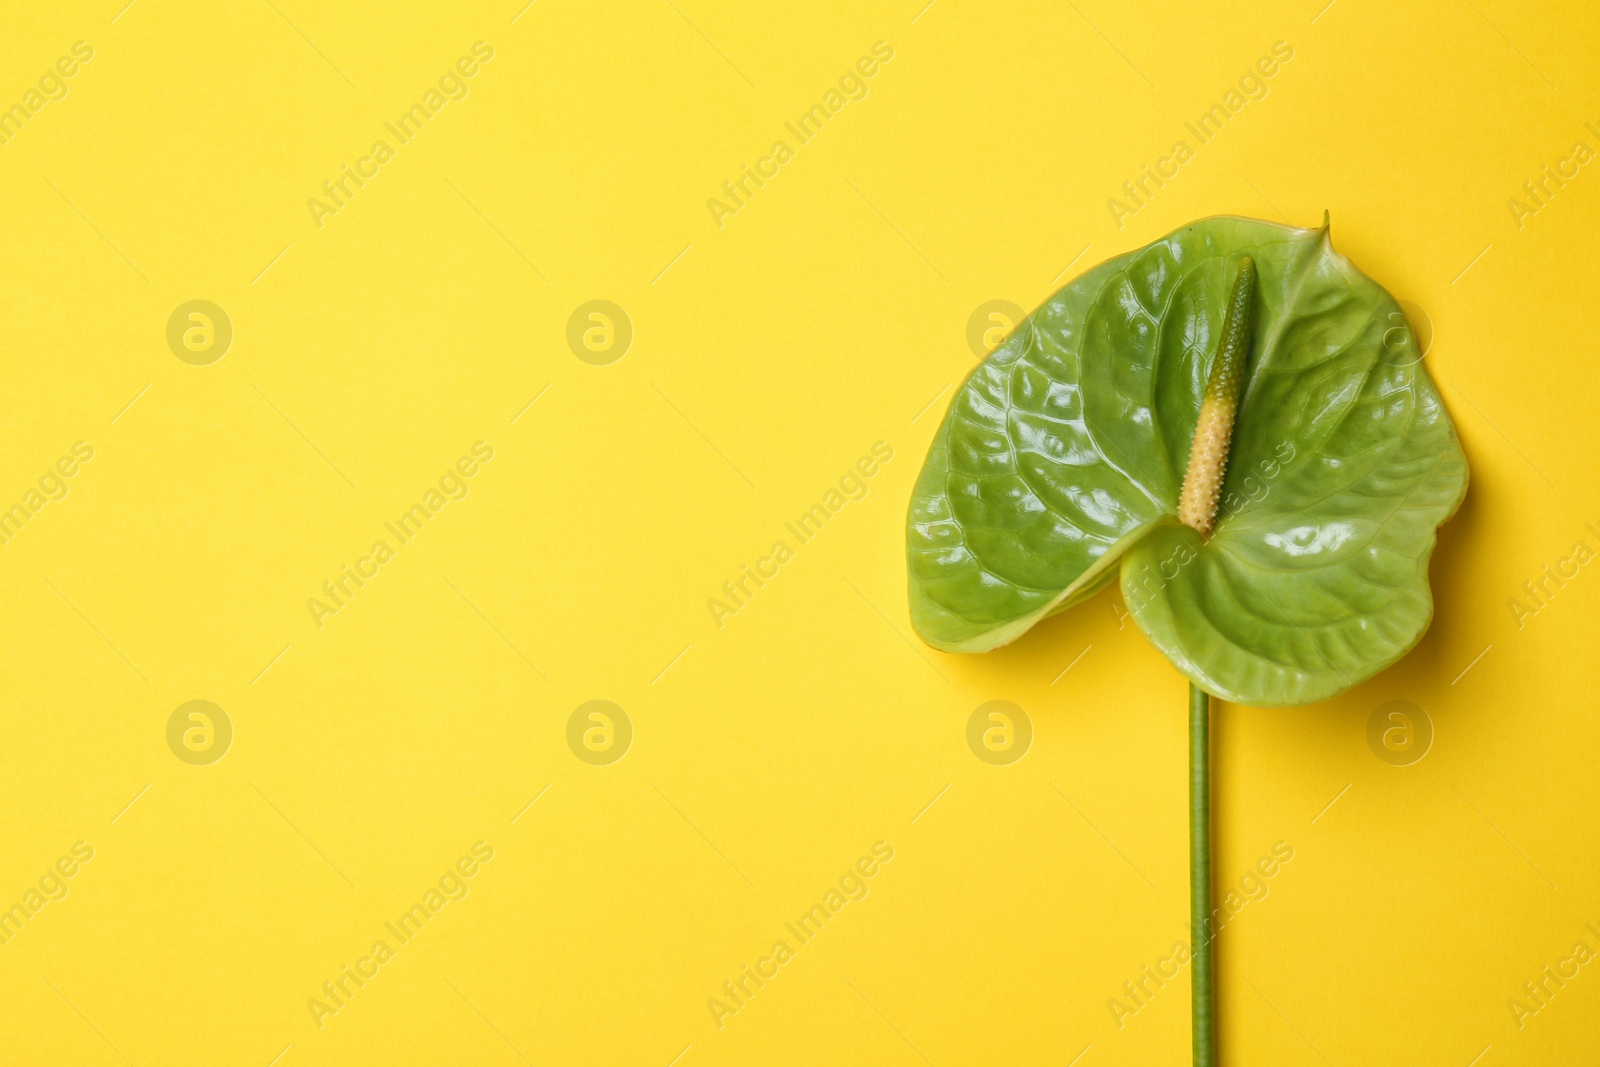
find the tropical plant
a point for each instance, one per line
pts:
(1236, 423)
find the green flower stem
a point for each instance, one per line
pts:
(1203, 1005)
(1197, 508)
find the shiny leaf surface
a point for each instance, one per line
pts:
(1058, 464)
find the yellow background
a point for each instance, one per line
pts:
(768, 354)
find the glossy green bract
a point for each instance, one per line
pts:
(1058, 465)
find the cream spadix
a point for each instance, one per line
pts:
(1213, 431)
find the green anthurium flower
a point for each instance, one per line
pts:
(1062, 461)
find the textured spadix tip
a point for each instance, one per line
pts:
(1213, 430)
